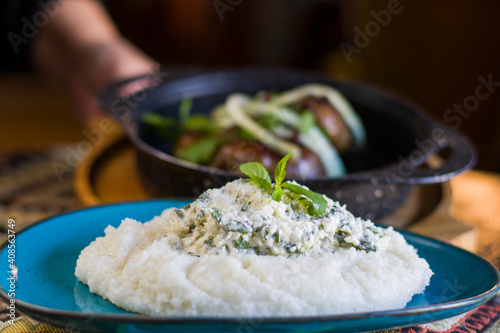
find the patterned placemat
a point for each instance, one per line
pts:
(32, 187)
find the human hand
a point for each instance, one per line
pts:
(82, 52)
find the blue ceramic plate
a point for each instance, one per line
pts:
(46, 253)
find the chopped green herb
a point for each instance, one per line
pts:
(209, 241)
(276, 237)
(204, 197)
(157, 120)
(179, 213)
(216, 214)
(201, 234)
(241, 244)
(291, 248)
(200, 123)
(164, 126)
(259, 228)
(366, 245)
(244, 135)
(193, 254)
(185, 109)
(241, 228)
(268, 121)
(200, 151)
(306, 122)
(340, 236)
(200, 216)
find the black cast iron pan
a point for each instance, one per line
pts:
(400, 137)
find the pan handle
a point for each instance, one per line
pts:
(462, 156)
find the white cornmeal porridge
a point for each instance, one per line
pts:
(236, 252)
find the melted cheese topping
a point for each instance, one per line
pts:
(241, 217)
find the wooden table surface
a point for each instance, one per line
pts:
(33, 116)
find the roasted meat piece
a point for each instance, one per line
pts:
(329, 119)
(230, 156)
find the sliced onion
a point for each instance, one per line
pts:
(220, 117)
(336, 99)
(286, 115)
(235, 109)
(240, 108)
(319, 144)
(314, 140)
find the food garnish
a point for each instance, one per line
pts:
(315, 203)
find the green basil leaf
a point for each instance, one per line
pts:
(166, 127)
(157, 120)
(306, 122)
(257, 173)
(278, 193)
(280, 172)
(185, 109)
(269, 121)
(199, 123)
(200, 152)
(244, 135)
(319, 203)
(262, 183)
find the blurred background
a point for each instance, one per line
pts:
(432, 53)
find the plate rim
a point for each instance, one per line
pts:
(142, 318)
